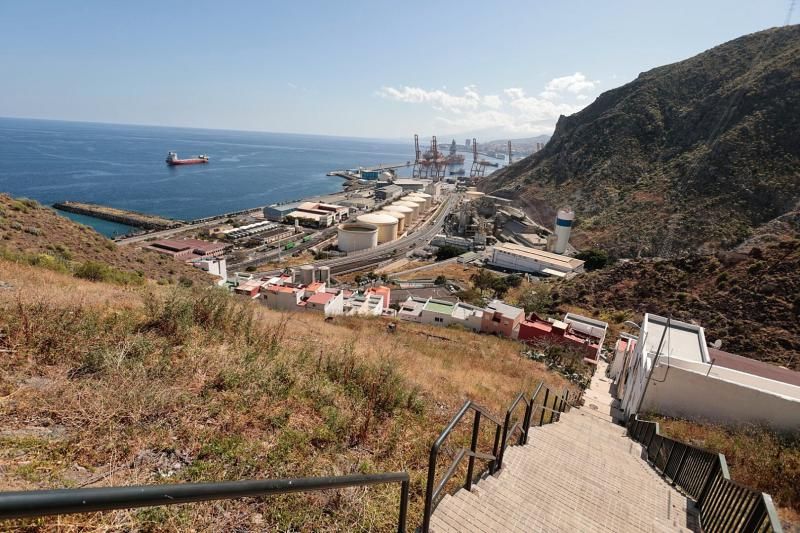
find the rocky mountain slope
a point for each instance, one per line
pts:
(692, 155)
(749, 298)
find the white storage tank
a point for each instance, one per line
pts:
(355, 236)
(417, 200)
(307, 274)
(401, 219)
(387, 225)
(324, 274)
(427, 197)
(411, 205)
(408, 212)
(564, 220)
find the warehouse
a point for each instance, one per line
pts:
(389, 192)
(523, 259)
(278, 212)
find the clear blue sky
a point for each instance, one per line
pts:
(373, 68)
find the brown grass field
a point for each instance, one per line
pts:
(103, 384)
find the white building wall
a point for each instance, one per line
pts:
(681, 391)
(281, 301)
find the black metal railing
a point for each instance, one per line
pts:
(38, 503)
(504, 434)
(724, 505)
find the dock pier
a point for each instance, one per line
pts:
(121, 216)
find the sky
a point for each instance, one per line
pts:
(380, 69)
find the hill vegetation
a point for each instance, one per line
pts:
(103, 384)
(37, 235)
(692, 155)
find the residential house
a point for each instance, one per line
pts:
(501, 319)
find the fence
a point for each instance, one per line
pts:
(724, 505)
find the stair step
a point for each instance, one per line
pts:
(581, 473)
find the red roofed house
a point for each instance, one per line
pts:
(534, 328)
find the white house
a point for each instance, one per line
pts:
(671, 371)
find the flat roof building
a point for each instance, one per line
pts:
(523, 259)
(188, 249)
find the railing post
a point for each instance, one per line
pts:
(473, 447)
(426, 517)
(526, 422)
(544, 404)
(502, 451)
(494, 466)
(401, 520)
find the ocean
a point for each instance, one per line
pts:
(123, 166)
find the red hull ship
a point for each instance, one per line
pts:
(172, 160)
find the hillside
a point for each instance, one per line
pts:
(32, 233)
(749, 298)
(692, 155)
(103, 385)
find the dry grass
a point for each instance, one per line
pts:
(289, 260)
(452, 271)
(107, 385)
(28, 228)
(756, 457)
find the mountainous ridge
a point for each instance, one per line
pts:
(692, 155)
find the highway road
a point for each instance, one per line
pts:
(421, 236)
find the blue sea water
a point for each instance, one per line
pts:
(123, 166)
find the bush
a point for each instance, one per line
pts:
(440, 280)
(97, 271)
(594, 259)
(447, 252)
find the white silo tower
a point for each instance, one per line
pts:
(406, 211)
(564, 220)
(414, 206)
(307, 274)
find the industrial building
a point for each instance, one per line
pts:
(339, 212)
(188, 249)
(316, 214)
(355, 236)
(408, 184)
(265, 230)
(387, 225)
(452, 240)
(388, 192)
(278, 212)
(523, 259)
(319, 219)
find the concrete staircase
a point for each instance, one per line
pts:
(579, 474)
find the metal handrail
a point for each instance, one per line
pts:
(431, 493)
(433, 490)
(724, 505)
(36, 503)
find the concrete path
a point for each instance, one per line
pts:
(580, 474)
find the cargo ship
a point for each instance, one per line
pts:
(172, 160)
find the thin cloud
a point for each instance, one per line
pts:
(513, 110)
